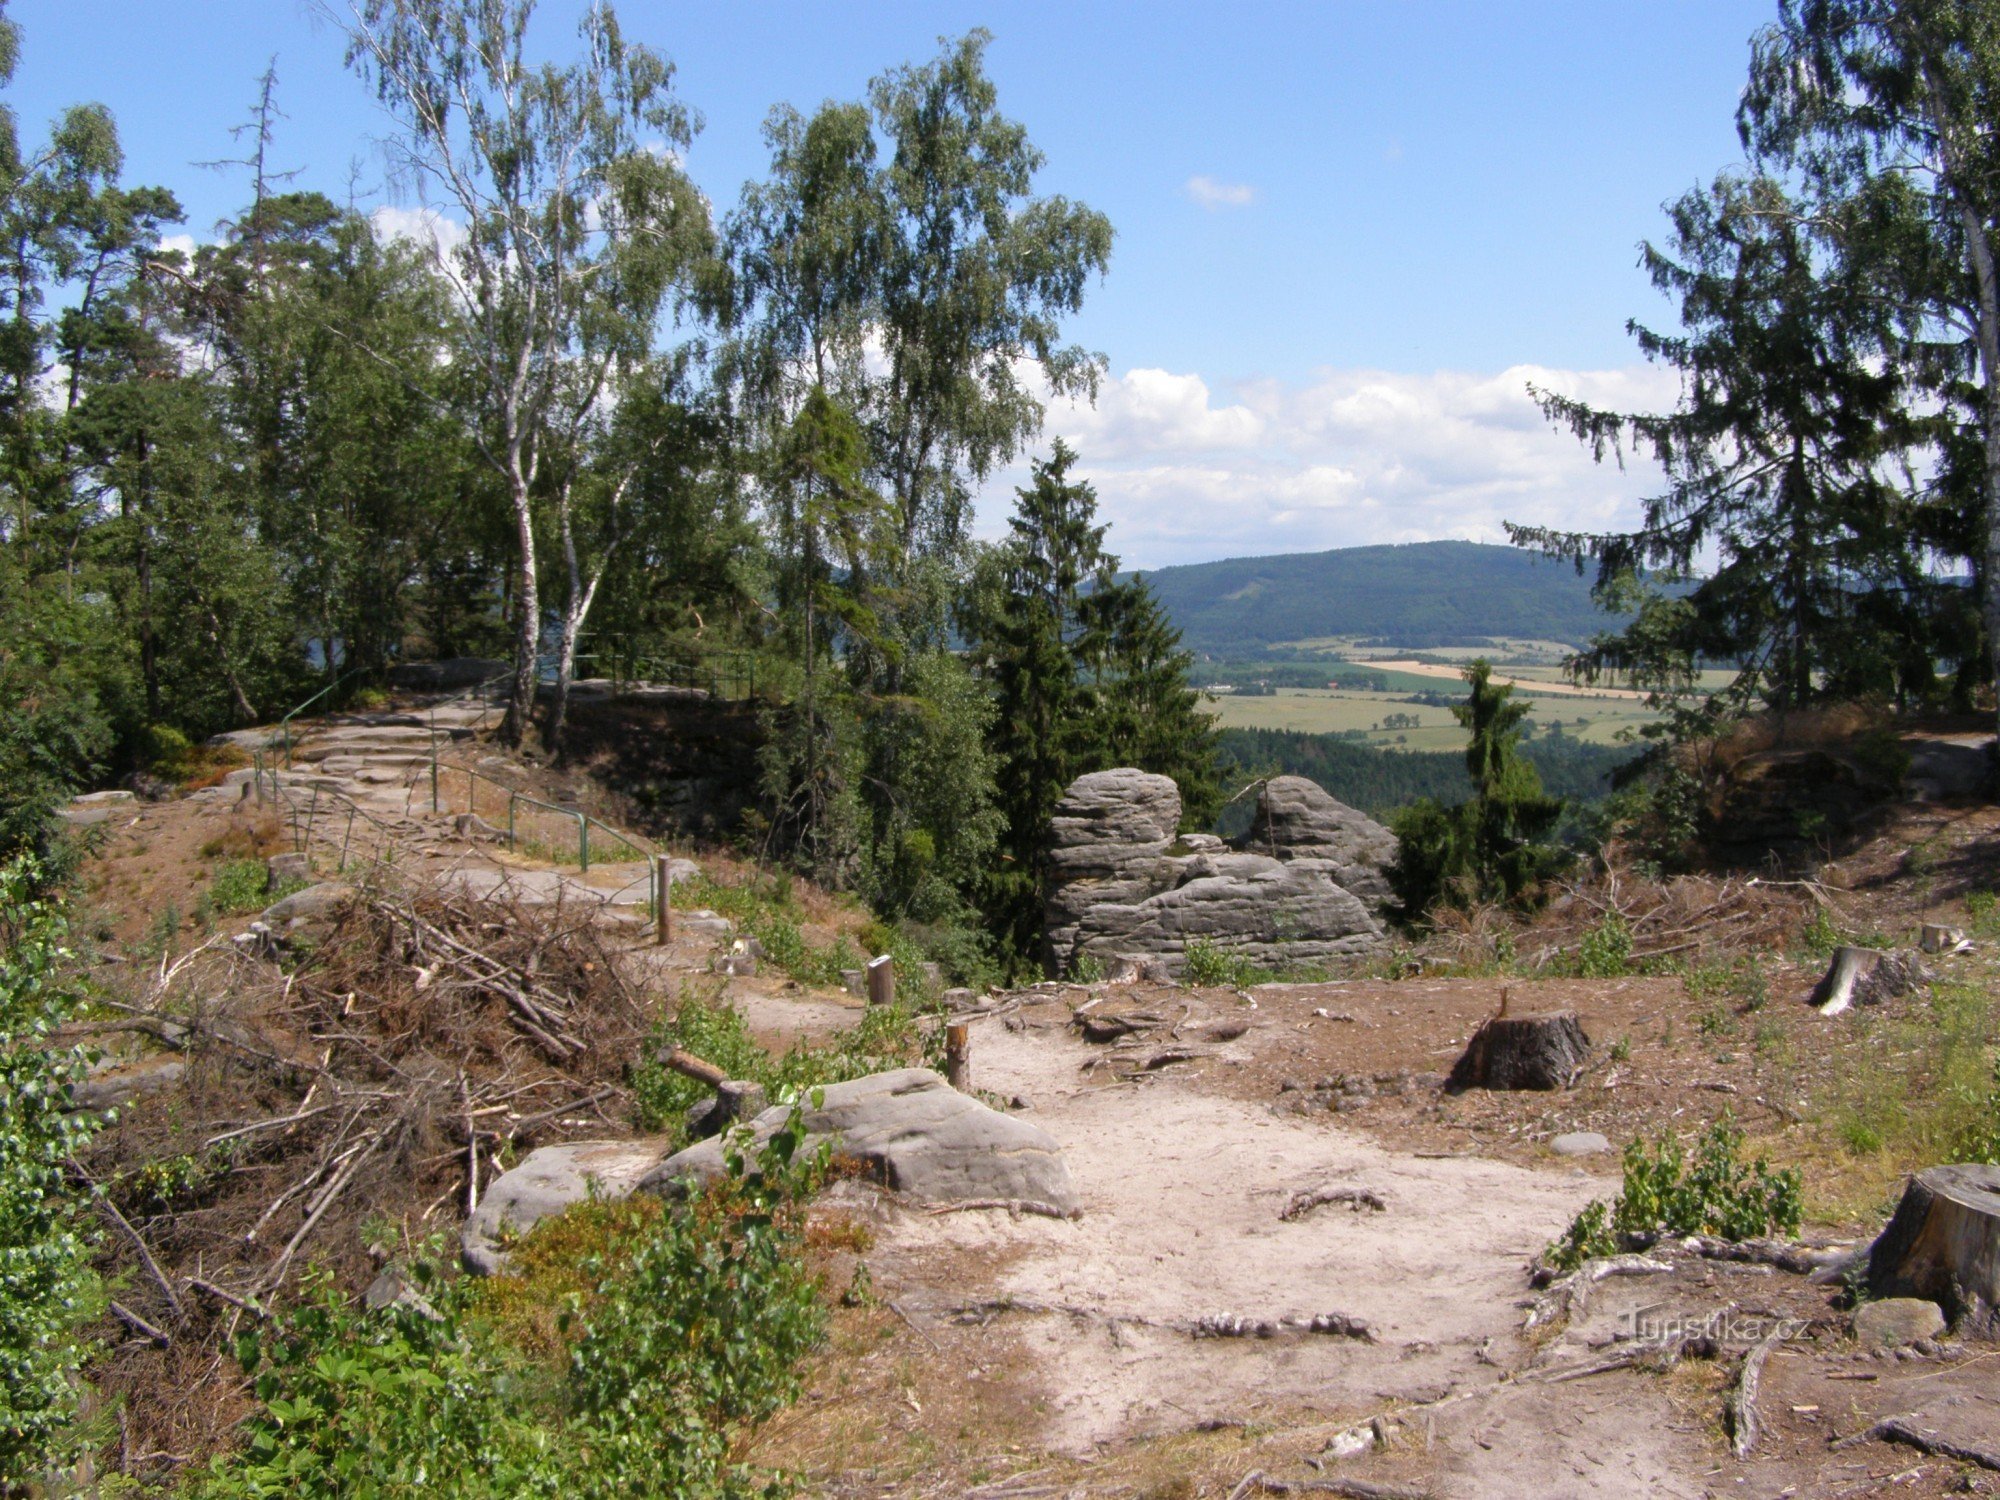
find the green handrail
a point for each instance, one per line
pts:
(582, 825)
(285, 724)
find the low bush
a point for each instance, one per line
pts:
(886, 1037)
(682, 1327)
(48, 1292)
(1667, 1191)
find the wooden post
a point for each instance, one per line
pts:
(663, 915)
(957, 1053)
(882, 980)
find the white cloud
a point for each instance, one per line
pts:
(422, 226)
(1345, 458)
(184, 243)
(1213, 193)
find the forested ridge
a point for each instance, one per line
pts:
(1414, 595)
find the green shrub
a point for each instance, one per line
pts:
(48, 1292)
(240, 885)
(1211, 967)
(1605, 951)
(1819, 937)
(681, 1336)
(1713, 1192)
(886, 1037)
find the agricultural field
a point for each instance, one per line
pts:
(1595, 720)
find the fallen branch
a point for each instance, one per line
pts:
(1304, 1202)
(1902, 1430)
(1258, 1482)
(1014, 1206)
(1570, 1296)
(144, 1251)
(1745, 1427)
(138, 1324)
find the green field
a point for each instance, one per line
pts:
(1597, 721)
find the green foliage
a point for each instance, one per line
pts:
(1210, 966)
(1606, 949)
(48, 1292)
(886, 1037)
(676, 1341)
(1491, 848)
(1821, 935)
(1668, 1192)
(1982, 1133)
(1380, 781)
(240, 885)
(1087, 675)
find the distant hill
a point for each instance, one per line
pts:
(1418, 595)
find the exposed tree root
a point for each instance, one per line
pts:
(1904, 1430)
(1303, 1203)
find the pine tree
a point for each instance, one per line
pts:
(1493, 846)
(1088, 674)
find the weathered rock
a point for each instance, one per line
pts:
(286, 869)
(914, 1133)
(113, 1084)
(1580, 1143)
(1947, 766)
(1122, 887)
(97, 807)
(316, 903)
(547, 1181)
(1297, 819)
(1896, 1321)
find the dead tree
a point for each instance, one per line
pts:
(1522, 1052)
(1943, 1244)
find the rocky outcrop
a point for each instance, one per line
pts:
(1306, 884)
(1297, 820)
(914, 1133)
(1111, 836)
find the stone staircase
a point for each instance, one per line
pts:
(355, 792)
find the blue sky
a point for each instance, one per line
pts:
(1348, 234)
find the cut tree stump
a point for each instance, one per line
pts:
(1866, 976)
(1943, 1244)
(1522, 1052)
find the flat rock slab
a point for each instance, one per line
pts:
(1896, 1321)
(1580, 1143)
(547, 1181)
(917, 1135)
(323, 901)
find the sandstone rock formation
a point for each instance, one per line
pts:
(1304, 885)
(547, 1181)
(915, 1134)
(1297, 821)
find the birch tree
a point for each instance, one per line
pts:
(579, 227)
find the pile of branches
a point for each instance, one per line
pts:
(328, 1111)
(1691, 919)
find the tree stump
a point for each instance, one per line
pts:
(1866, 976)
(1943, 1244)
(1522, 1052)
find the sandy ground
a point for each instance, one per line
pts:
(1182, 1193)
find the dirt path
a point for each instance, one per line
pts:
(1183, 1191)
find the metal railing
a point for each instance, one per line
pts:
(266, 784)
(285, 724)
(724, 673)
